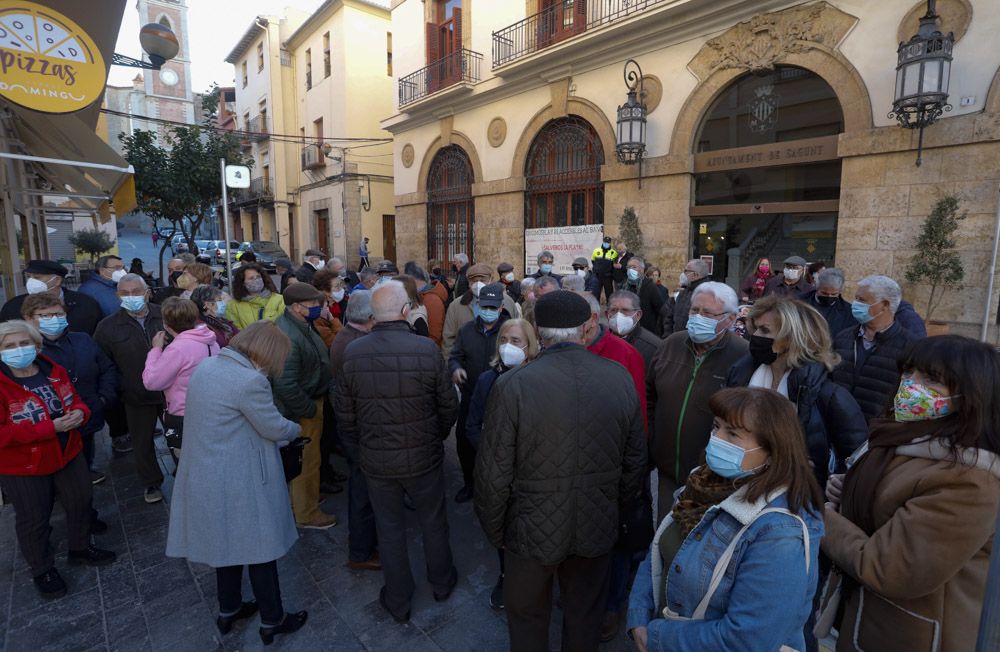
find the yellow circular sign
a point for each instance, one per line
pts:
(47, 62)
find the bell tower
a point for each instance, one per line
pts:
(168, 91)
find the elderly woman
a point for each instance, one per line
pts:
(254, 297)
(734, 564)
(194, 275)
(40, 417)
(869, 353)
(169, 366)
(790, 353)
(516, 345)
(212, 303)
(911, 526)
(232, 469)
(330, 320)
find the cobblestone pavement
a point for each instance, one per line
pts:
(145, 601)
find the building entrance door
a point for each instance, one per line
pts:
(389, 237)
(323, 230)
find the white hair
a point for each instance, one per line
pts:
(595, 306)
(359, 307)
(20, 327)
(545, 254)
(133, 278)
(527, 284)
(722, 293)
(552, 336)
(699, 266)
(883, 288)
(388, 300)
(462, 258)
(574, 283)
(830, 276)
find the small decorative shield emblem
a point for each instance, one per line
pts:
(763, 109)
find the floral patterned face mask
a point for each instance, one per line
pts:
(916, 402)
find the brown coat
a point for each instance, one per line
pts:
(923, 571)
(328, 329)
(435, 312)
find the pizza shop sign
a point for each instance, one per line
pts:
(47, 62)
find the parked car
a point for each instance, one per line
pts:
(178, 245)
(220, 250)
(265, 251)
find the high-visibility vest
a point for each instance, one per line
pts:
(607, 254)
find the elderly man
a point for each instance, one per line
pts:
(337, 265)
(624, 319)
(560, 457)
(299, 394)
(126, 338)
(792, 280)
(313, 261)
(827, 300)
(606, 344)
(689, 367)
(870, 353)
(366, 279)
(650, 297)
(175, 267)
(460, 265)
(619, 267)
(545, 265)
(362, 541)
(511, 285)
(284, 270)
(673, 318)
(465, 307)
(47, 276)
(102, 287)
(397, 429)
(590, 282)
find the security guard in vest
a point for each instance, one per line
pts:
(602, 261)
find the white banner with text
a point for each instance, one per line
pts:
(565, 243)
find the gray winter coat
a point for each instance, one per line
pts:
(230, 503)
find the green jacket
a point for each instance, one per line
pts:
(307, 370)
(247, 311)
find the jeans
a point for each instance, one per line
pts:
(305, 488)
(266, 590)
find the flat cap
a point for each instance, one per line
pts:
(386, 267)
(479, 269)
(283, 262)
(561, 309)
(491, 296)
(297, 292)
(45, 267)
(581, 262)
(315, 252)
(503, 268)
(796, 260)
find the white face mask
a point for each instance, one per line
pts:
(34, 286)
(581, 272)
(476, 287)
(683, 280)
(319, 264)
(338, 296)
(622, 324)
(792, 274)
(511, 355)
(510, 277)
(118, 275)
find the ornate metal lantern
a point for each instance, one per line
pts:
(632, 119)
(158, 41)
(922, 75)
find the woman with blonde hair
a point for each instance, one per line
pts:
(194, 275)
(232, 467)
(417, 317)
(791, 352)
(516, 345)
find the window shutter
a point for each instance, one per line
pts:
(433, 51)
(457, 16)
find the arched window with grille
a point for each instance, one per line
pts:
(450, 208)
(563, 176)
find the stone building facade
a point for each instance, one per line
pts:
(767, 134)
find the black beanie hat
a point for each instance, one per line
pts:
(561, 309)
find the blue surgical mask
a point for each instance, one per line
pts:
(20, 357)
(726, 459)
(546, 268)
(489, 315)
(314, 313)
(701, 329)
(134, 304)
(633, 274)
(52, 326)
(605, 246)
(860, 311)
(220, 307)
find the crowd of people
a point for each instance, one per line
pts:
(822, 467)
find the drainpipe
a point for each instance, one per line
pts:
(993, 273)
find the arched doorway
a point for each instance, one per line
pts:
(563, 176)
(767, 173)
(450, 208)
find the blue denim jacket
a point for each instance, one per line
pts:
(764, 598)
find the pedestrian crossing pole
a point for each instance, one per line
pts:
(225, 226)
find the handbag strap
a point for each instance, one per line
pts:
(727, 555)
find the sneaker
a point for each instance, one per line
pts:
(50, 584)
(92, 556)
(153, 495)
(496, 598)
(464, 494)
(122, 445)
(320, 522)
(96, 477)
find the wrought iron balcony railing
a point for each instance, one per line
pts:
(257, 128)
(313, 158)
(260, 188)
(558, 22)
(458, 67)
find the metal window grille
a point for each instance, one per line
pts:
(563, 176)
(450, 207)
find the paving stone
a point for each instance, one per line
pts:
(26, 598)
(183, 628)
(72, 623)
(126, 627)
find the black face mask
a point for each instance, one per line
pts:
(173, 278)
(826, 301)
(761, 351)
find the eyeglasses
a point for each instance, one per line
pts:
(625, 311)
(705, 313)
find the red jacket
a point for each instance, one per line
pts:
(612, 347)
(28, 442)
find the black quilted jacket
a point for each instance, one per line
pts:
(871, 377)
(395, 403)
(562, 450)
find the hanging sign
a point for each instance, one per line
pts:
(565, 243)
(47, 62)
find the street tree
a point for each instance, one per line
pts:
(177, 176)
(92, 242)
